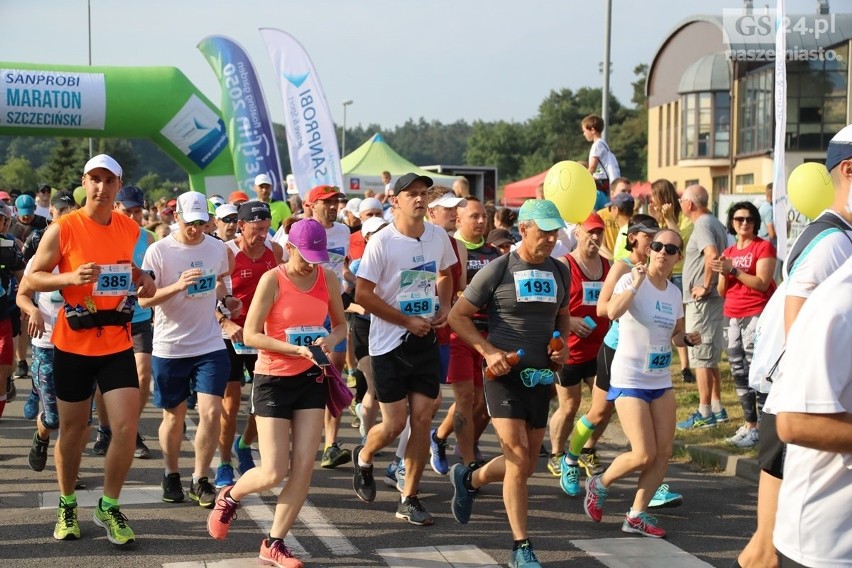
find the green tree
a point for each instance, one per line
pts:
(501, 144)
(64, 165)
(17, 173)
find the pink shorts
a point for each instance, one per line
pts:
(465, 363)
(7, 350)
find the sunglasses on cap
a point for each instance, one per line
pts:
(229, 219)
(670, 249)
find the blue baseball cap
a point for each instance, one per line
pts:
(543, 212)
(25, 205)
(131, 196)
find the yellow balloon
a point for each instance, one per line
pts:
(810, 189)
(572, 189)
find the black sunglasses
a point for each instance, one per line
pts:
(744, 219)
(229, 219)
(670, 249)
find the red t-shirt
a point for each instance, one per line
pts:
(357, 243)
(583, 301)
(740, 300)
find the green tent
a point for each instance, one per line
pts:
(362, 169)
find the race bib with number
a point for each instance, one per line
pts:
(243, 349)
(659, 359)
(591, 293)
(114, 280)
(204, 286)
(416, 304)
(535, 286)
(305, 335)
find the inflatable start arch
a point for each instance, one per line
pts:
(158, 103)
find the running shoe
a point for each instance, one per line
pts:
(554, 464)
(542, 452)
(362, 479)
(224, 476)
(721, 416)
(172, 488)
(244, 457)
(687, 375)
(590, 462)
(697, 421)
(276, 554)
(390, 474)
(334, 456)
(115, 523)
(356, 419)
(400, 477)
(225, 511)
(524, 557)
(411, 510)
(462, 503)
(21, 370)
(203, 493)
(11, 390)
(665, 499)
(31, 406)
(644, 524)
(569, 480)
(102, 442)
(438, 451)
(595, 498)
(38, 453)
(142, 452)
(738, 435)
(750, 439)
(67, 527)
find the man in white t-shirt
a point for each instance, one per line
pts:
(404, 282)
(188, 346)
(812, 399)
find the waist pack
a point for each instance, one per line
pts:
(80, 318)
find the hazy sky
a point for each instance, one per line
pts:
(396, 59)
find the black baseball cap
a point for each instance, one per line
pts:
(253, 211)
(131, 196)
(63, 200)
(405, 181)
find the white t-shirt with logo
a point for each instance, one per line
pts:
(607, 162)
(644, 352)
(184, 325)
(405, 271)
(815, 517)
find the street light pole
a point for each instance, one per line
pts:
(89, 3)
(605, 102)
(346, 103)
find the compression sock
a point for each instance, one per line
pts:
(107, 503)
(242, 445)
(68, 500)
(583, 430)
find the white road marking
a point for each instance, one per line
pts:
(638, 552)
(462, 556)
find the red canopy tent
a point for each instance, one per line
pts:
(514, 194)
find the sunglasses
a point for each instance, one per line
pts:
(744, 219)
(195, 223)
(670, 249)
(533, 377)
(229, 219)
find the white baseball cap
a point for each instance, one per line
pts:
(372, 225)
(192, 206)
(449, 199)
(102, 161)
(353, 204)
(225, 210)
(262, 179)
(370, 204)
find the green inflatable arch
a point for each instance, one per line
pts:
(158, 103)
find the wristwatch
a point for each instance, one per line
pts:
(222, 318)
(733, 271)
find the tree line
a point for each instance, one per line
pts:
(517, 149)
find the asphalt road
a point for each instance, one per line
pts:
(338, 530)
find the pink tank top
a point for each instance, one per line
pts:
(293, 311)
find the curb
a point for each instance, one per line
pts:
(733, 465)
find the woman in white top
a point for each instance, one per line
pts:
(651, 319)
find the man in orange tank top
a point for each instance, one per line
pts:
(93, 248)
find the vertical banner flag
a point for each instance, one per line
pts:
(250, 133)
(779, 179)
(311, 138)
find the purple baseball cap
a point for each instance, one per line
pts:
(308, 236)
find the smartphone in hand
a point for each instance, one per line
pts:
(319, 355)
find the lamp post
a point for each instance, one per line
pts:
(346, 103)
(606, 63)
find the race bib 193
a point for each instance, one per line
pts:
(114, 280)
(204, 286)
(591, 293)
(305, 335)
(535, 286)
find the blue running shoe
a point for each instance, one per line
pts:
(438, 449)
(462, 503)
(721, 416)
(569, 478)
(244, 457)
(400, 477)
(31, 406)
(697, 421)
(224, 476)
(390, 474)
(524, 557)
(665, 499)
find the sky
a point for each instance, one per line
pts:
(442, 60)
